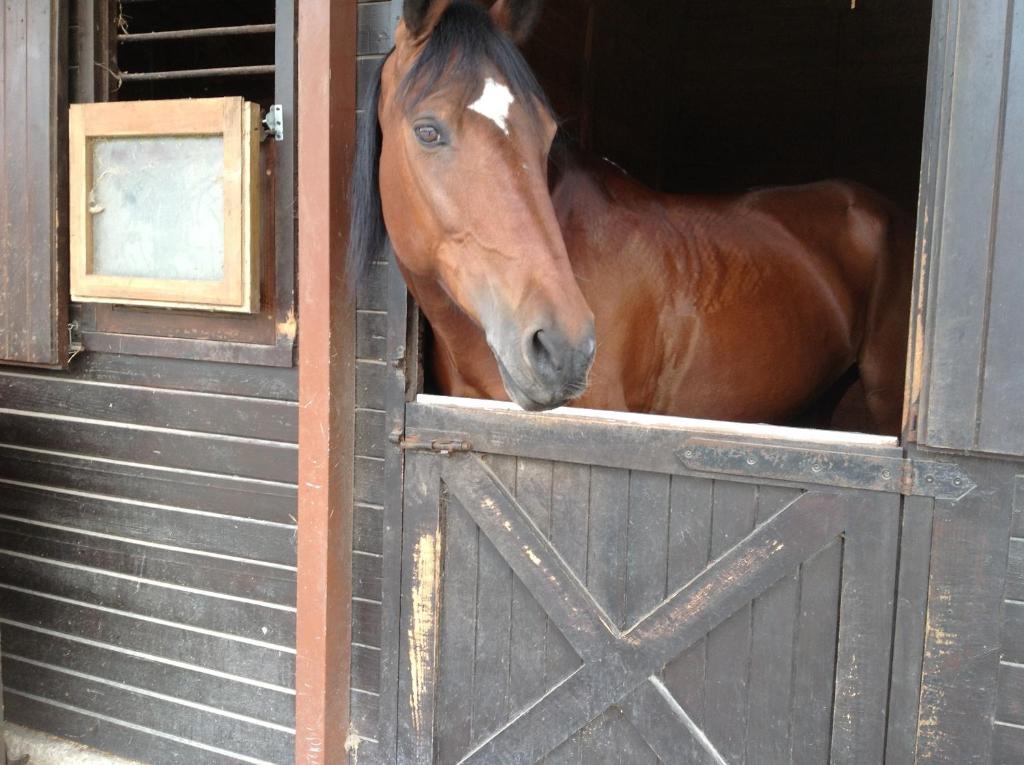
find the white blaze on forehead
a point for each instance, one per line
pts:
(494, 103)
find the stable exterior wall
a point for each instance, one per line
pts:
(1008, 738)
(147, 557)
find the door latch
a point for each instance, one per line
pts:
(439, 445)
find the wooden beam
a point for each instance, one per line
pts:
(326, 119)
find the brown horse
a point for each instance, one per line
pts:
(745, 307)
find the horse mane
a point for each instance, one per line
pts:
(464, 40)
(367, 236)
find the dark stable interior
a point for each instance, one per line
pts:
(195, 53)
(728, 95)
(721, 95)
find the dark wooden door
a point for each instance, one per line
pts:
(970, 375)
(573, 592)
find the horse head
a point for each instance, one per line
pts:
(458, 155)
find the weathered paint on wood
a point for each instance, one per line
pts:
(965, 628)
(503, 507)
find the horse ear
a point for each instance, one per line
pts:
(517, 17)
(421, 15)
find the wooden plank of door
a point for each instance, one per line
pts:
(606, 561)
(961, 268)
(417, 676)
(865, 628)
(689, 553)
(908, 642)
(528, 641)
(771, 653)
(728, 646)
(491, 680)
(814, 655)
(458, 643)
(739, 576)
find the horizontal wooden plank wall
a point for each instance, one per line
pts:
(374, 41)
(1008, 740)
(147, 557)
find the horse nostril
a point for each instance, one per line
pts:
(545, 353)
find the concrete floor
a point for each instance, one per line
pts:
(43, 749)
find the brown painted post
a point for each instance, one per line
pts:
(326, 124)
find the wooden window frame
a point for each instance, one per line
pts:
(264, 338)
(232, 119)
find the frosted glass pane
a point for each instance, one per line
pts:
(157, 207)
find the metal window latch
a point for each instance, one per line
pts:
(273, 123)
(909, 477)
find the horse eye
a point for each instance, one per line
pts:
(428, 135)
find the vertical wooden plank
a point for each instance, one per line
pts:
(326, 99)
(814, 654)
(458, 631)
(402, 355)
(929, 208)
(606, 573)
(960, 289)
(865, 628)
(421, 575)
(570, 504)
(771, 670)
(529, 624)
(647, 543)
(728, 645)
(15, 264)
(964, 620)
(33, 180)
(493, 623)
(1001, 427)
(688, 553)
(285, 83)
(606, 553)
(908, 643)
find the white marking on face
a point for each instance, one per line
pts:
(494, 103)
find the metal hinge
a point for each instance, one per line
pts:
(909, 477)
(273, 123)
(439, 445)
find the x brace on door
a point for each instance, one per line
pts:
(620, 667)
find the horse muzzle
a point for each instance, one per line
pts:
(547, 369)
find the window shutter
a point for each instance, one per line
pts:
(972, 395)
(33, 119)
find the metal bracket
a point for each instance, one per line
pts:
(273, 123)
(924, 478)
(74, 340)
